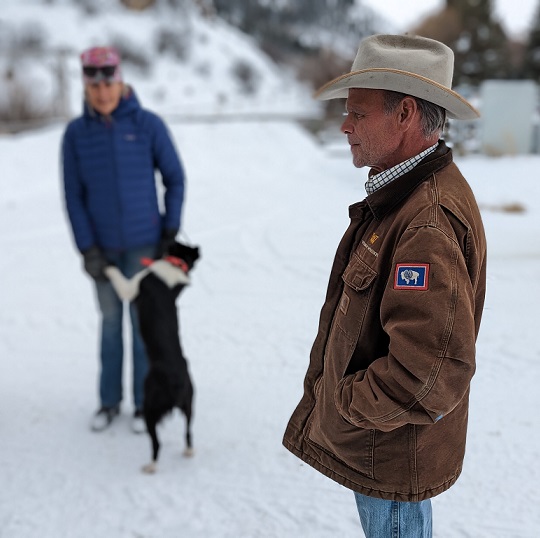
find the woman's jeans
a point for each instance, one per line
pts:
(394, 519)
(112, 348)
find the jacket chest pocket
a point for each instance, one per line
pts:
(349, 317)
(358, 281)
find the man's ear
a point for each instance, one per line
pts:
(408, 112)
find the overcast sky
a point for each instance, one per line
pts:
(515, 15)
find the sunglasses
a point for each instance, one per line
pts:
(107, 71)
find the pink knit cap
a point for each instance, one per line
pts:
(98, 57)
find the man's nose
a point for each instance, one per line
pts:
(347, 126)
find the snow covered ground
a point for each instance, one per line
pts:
(267, 206)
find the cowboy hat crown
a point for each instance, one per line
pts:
(412, 65)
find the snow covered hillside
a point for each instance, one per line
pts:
(177, 60)
(267, 207)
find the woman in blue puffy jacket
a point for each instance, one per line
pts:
(110, 156)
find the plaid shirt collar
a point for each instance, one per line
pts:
(381, 179)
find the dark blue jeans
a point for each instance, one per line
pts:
(112, 346)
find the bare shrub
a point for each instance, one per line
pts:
(138, 5)
(246, 76)
(31, 40)
(510, 207)
(206, 8)
(204, 69)
(131, 54)
(320, 67)
(515, 207)
(175, 42)
(18, 109)
(21, 99)
(89, 7)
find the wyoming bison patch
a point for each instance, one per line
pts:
(411, 276)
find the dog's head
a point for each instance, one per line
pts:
(184, 252)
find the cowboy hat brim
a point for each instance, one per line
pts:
(400, 81)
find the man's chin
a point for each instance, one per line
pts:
(359, 164)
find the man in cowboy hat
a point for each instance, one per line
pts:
(385, 403)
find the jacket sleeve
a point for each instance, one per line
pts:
(432, 335)
(167, 161)
(75, 194)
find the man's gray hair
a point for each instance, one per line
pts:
(433, 117)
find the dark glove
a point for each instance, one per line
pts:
(167, 239)
(94, 263)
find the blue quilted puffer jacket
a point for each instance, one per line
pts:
(109, 177)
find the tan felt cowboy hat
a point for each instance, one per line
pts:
(413, 65)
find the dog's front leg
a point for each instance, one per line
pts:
(126, 288)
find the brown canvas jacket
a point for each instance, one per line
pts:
(385, 403)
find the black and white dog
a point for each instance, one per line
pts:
(168, 383)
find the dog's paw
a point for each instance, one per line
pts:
(149, 468)
(188, 453)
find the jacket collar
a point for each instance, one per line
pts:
(128, 103)
(387, 197)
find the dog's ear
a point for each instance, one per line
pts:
(185, 252)
(177, 249)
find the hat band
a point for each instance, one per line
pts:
(386, 70)
(376, 84)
